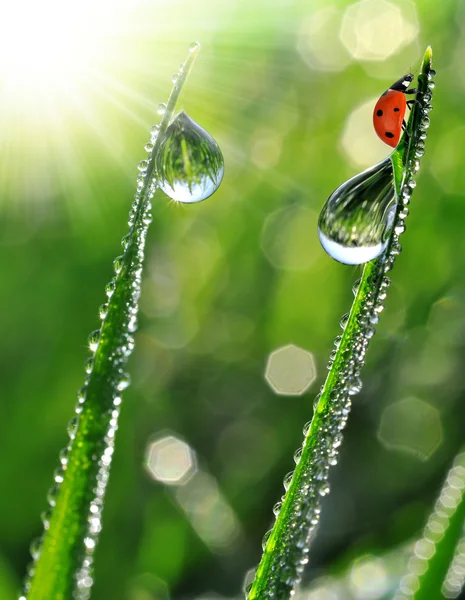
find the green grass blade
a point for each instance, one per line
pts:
(63, 557)
(286, 546)
(431, 574)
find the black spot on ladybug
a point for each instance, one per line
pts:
(396, 109)
(388, 134)
(379, 113)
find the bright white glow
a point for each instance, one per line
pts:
(350, 255)
(376, 29)
(52, 43)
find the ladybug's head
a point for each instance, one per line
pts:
(402, 84)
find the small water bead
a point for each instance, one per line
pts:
(52, 495)
(355, 386)
(124, 382)
(88, 365)
(175, 77)
(35, 547)
(59, 475)
(400, 227)
(287, 480)
(307, 425)
(194, 46)
(356, 286)
(425, 122)
(356, 220)
(118, 264)
(344, 320)
(161, 108)
(298, 455)
(94, 339)
(110, 289)
(148, 147)
(265, 539)
(103, 311)
(143, 165)
(45, 517)
(72, 427)
(277, 508)
(189, 162)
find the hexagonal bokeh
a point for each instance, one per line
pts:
(318, 43)
(413, 426)
(376, 29)
(170, 460)
(290, 370)
(369, 578)
(359, 140)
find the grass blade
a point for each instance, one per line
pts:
(63, 557)
(431, 573)
(286, 546)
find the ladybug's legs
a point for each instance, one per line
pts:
(406, 133)
(410, 103)
(412, 91)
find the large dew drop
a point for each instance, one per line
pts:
(189, 162)
(355, 222)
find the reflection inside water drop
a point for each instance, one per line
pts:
(355, 222)
(189, 162)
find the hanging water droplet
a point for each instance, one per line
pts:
(148, 147)
(265, 539)
(72, 427)
(142, 166)
(35, 548)
(306, 428)
(124, 382)
(125, 241)
(298, 455)
(52, 495)
(118, 264)
(110, 288)
(287, 480)
(355, 222)
(93, 340)
(63, 456)
(103, 311)
(344, 320)
(45, 517)
(88, 365)
(189, 162)
(277, 508)
(161, 108)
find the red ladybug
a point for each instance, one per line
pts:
(388, 115)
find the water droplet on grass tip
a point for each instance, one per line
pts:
(189, 162)
(355, 222)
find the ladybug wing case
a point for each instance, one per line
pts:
(388, 116)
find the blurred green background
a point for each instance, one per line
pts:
(287, 89)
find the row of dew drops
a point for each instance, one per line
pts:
(188, 176)
(289, 561)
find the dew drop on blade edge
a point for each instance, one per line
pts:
(356, 220)
(189, 162)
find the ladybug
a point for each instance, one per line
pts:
(388, 115)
